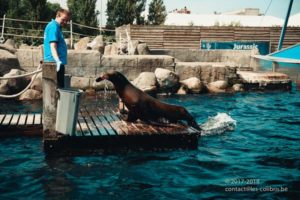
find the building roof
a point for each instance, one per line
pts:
(294, 20)
(221, 20)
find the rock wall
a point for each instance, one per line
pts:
(207, 72)
(238, 58)
(90, 63)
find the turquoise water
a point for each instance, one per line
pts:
(259, 160)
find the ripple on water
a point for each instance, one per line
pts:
(264, 145)
(282, 162)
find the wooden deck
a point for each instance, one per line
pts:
(27, 124)
(101, 128)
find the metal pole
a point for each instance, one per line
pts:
(284, 26)
(2, 32)
(71, 32)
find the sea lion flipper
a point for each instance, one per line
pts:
(130, 117)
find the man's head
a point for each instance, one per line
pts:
(63, 16)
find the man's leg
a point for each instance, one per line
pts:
(61, 77)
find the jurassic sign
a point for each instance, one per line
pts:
(262, 46)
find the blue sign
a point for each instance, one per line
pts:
(262, 46)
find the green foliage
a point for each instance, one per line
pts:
(84, 12)
(37, 10)
(3, 7)
(121, 12)
(157, 12)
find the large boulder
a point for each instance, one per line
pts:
(25, 46)
(168, 81)
(10, 43)
(37, 83)
(97, 44)
(187, 70)
(82, 44)
(114, 49)
(183, 90)
(132, 47)
(107, 50)
(14, 85)
(217, 86)
(4, 89)
(8, 48)
(102, 85)
(31, 94)
(8, 61)
(80, 82)
(193, 84)
(143, 49)
(122, 47)
(146, 81)
(238, 87)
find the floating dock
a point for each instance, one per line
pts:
(101, 129)
(27, 124)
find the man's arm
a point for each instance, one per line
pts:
(53, 47)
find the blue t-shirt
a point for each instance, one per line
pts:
(53, 33)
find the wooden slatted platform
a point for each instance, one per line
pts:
(28, 124)
(100, 128)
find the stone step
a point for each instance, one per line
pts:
(265, 80)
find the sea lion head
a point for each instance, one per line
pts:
(114, 77)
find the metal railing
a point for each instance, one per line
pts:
(37, 33)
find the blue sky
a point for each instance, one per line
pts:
(278, 8)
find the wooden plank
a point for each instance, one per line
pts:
(105, 123)
(37, 118)
(131, 128)
(15, 119)
(22, 120)
(84, 127)
(122, 125)
(30, 119)
(78, 131)
(2, 116)
(97, 123)
(115, 125)
(94, 130)
(7, 119)
(99, 126)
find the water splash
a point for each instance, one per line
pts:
(218, 124)
(105, 89)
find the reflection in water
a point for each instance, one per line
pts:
(59, 185)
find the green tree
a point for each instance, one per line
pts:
(27, 10)
(120, 12)
(157, 12)
(37, 8)
(3, 7)
(50, 11)
(84, 12)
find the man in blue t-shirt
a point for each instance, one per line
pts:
(55, 48)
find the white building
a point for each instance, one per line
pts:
(178, 19)
(294, 20)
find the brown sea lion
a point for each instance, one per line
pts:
(142, 106)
